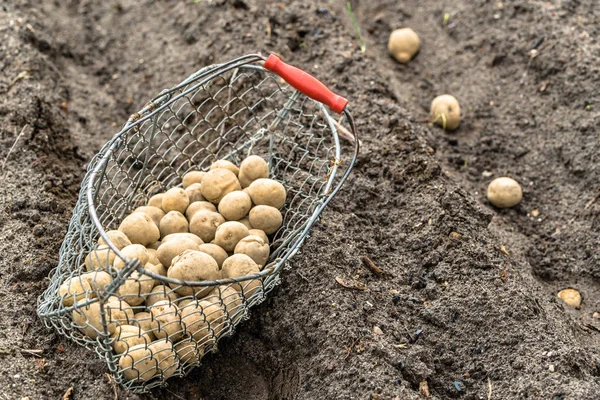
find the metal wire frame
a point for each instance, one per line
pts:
(222, 111)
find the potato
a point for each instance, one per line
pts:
(255, 248)
(260, 233)
(154, 213)
(173, 222)
(571, 297)
(204, 224)
(403, 44)
(185, 235)
(445, 112)
(226, 165)
(74, 289)
(229, 233)
(174, 247)
(161, 293)
(152, 258)
(153, 246)
(194, 192)
(266, 218)
(156, 200)
(100, 258)
(239, 265)
(118, 238)
(157, 269)
(164, 352)
(235, 205)
(132, 252)
(232, 302)
(138, 364)
(267, 192)
(127, 336)
(246, 222)
(192, 177)
(98, 280)
(204, 320)
(504, 192)
(135, 288)
(166, 321)
(143, 320)
(87, 317)
(251, 169)
(175, 199)
(217, 183)
(215, 252)
(189, 351)
(196, 206)
(193, 265)
(140, 229)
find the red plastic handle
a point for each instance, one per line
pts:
(306, 83)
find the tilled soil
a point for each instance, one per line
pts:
(453, 309)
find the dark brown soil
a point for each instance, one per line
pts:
(454, 310)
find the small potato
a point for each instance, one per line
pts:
(175, 199)
(229, 233)
(164, 353)
(152, 258)
(118, 238)
(504, 192)
(140, 229)
(153, 212)
(184, 235)
(239, 265)
(226, 165)
(196, 206)
(267, 192)
(75, 289)
(251, 169)
(100, 258)
(403, 45)
(87, 317)
(161, 293)
(135, 288)
(232, 302)
(571, 297)
(192, 177)
(255, 248)
(260, 233)
(246, 222)
(127, 336)
(156, 200)
(173, 222)
(132, 252)
(189, 351)
(217, 183)
(235, 205)
(143, 320)
(166, 320)
(168, 250)
(193, 265)
(266, 218)
(445, 112)
(138, 364)
(194, 192)
(204, 224)
(215, 252)
(204, 320)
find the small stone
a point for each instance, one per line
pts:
(571, 297)
(377, 330)
(535, 213)
(596, 315)
(486, 174)
(455, 235)
(551, 368)
(424, 389)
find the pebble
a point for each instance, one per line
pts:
(551, 368)
(377, 330)
(596, 315)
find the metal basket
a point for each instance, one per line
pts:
(226, 111)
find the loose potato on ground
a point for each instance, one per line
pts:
(175, 199)
(183, 235)
(267, 192)
(194, 192)
(166, 321)
(193, 265)
(140, 229)
(138, 364)
(174, 247)
(189, 351)
(156, 200)
(161, 293)
(204, 320)
(135, 288)
(153, 212)
(164, 352)
(215, 252)
(132, 252)
(127, 336)
(255, 248)
(87, 317)
(204, 224)
(251, 169)
(196, 206)
(235, 205)
(173, 222)
(100, 258)
(229, 233)
(217, 183)
(239, 265)
(260, 233)
(246, 222)
(403, 44)
(445, 112)
(192, 177)
(118, 238)
(571, 297)
(226, 165)
(504, 192)
(266, 218)
(143, 320)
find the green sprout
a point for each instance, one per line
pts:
(363, 46)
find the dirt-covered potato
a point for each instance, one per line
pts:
(204, 320)
(232, 302)
(164, 353)
(204, 224)
(445, 112)
(225, 165)
(214, 251)
(267, 192)
(100, 258)
(266, 218)
(118, 238)
(87, 317)
(235, 205)
(229, 233)
(161, 293)
(193, 265)
(175, 199)
(217, 183)
(166, 320)
(246, 222)
(135, 288)
(504, 192)
(143, 320)
(404, 43)
(192, 177)
(571, 297)
(131, 252)
(183, 235)
(127, 336)
(196, 206)
(173, 222)
(239, 265)
(251, 169)
(255, 248)
(153, 212)
(156, 200)
(140, 229)
(174, 247)
(138, 364)
(189, 351)
(260, 233)
(194, 192)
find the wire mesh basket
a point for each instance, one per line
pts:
(248, 106)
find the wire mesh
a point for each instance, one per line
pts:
(149, 327)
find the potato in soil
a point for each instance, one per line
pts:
(173, 222)
(229, 233)
(140, 229)
(504, 192)
(175, 199)
(267, 192)
(204, 224)
(235, 205)
(217, 183)
(251, 169)
(266, 218)
(445, 112)
(193, 265)
(403, 44)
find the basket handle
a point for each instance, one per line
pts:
(306, 83)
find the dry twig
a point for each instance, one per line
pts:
(13, 146)
(371, 265)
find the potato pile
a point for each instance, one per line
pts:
(215, 226)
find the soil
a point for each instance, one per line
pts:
(467, 306)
